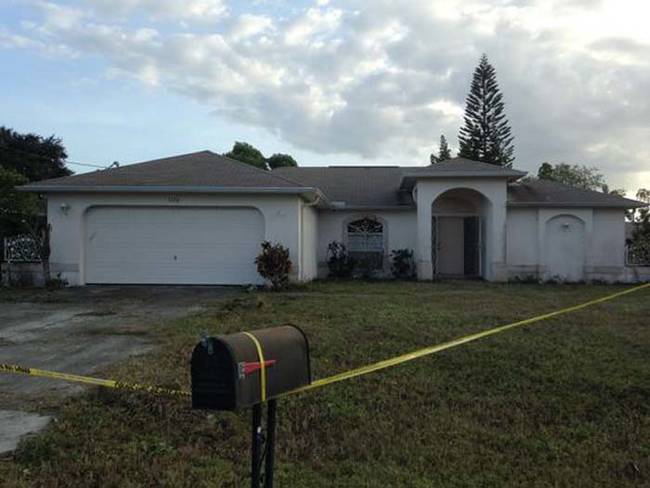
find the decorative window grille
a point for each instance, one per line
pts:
(366, 242)
(638, 254)
(21, 249)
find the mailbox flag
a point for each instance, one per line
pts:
(248, 368)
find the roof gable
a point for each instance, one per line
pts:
(462, 167)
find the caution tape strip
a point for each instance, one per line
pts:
(88, 380)
(353, 373)
(388, 363)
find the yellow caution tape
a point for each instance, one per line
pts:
(75, 378)
(260, 356)
(386, 363)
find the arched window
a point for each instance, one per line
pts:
(366, 242)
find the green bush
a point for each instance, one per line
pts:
(402, 263)
(339, 262)
(274, 265)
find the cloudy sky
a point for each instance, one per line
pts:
(330, 82)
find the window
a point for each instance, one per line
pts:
(366, 242)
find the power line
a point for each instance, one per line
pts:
(85, 164)
(49, 158)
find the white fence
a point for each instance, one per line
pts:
(21, 264)
(21, 249)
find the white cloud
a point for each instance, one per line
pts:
(314, 21)
(181, 10)
(384, 82)
(249, 25)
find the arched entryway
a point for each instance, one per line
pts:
(459, 233)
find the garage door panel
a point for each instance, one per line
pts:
(173, 245)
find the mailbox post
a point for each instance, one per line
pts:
(249, 369)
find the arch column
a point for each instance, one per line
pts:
(423, 248)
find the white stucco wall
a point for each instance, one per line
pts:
(282, 215)
(494, 190)
(532, 233)
(608, 246)
(522, 243)
(399, 227)
(309, 239)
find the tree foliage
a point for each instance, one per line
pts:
(280, 160)
(486, 135)
(16, 207)
(577, 176)
(642, 217)
(444, 153)
(249, 154)
(246, 153)
(33, 156)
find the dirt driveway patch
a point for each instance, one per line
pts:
(81, 331)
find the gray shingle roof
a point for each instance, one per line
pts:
(199, 169)
(381, 186)
(357, 186)
(361, 186)
(539, 193)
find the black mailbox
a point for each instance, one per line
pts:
(247, 368)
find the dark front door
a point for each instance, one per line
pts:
(472, 254)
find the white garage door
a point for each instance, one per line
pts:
(164, 245)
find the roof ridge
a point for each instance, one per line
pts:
(119, 169)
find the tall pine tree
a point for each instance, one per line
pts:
(486, 135)
(444, 153)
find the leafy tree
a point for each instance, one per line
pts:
(486, 135)
(280, 160)
(642, 217)
(584, 177)
(246, 153)
(249, 154)
(444, 153)
(33, 156)
(16, 207)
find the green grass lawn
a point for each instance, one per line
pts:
(564, 402)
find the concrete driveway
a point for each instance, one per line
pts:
(78, 330)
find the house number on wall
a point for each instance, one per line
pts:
(174, 199)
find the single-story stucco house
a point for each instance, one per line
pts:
(199, 218)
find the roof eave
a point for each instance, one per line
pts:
(368, 208)
(466, 174)
(36, 188)
(622, 205)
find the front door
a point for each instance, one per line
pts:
(456, 245)
(451, 253)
